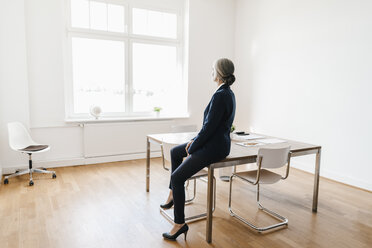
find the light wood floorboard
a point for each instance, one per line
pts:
(105, 205)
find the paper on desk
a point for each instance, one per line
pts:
(270, 141)
(248, 137)
(248, 144)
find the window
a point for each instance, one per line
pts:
(98, 81)
(125, 58)
(97, 15)
(154, 23)
(159, 63)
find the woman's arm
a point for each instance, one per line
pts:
(212, 121)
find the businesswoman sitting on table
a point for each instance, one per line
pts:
(211, 145)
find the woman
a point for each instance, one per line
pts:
(211, 145)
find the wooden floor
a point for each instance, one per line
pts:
(105, 205)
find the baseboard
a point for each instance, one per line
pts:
(334, 176)
(80, 161)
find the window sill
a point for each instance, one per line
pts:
(123, 119)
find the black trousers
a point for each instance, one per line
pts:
(181, 171)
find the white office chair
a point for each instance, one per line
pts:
(268, 158)
(21, 141)
(178, 129)
(203, 173)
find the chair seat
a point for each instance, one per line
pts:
(34, 148)
(201, 173)
(266, 176)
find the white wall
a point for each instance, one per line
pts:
(13, 74)
(211, 35)
(304, 73)
(45, 32)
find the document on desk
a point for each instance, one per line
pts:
(248, 144)
(270, 141)
(248, 137)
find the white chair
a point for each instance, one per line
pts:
(203, 173)
(178, 129)
(21, 141)
(268, 158)
(183, 128)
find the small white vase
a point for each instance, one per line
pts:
(95, 111)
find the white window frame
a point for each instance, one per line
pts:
(128, 38)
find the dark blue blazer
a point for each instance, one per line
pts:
(213, 140)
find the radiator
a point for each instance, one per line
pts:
(109, 139)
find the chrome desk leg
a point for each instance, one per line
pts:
(316, 180)
(148, 166)
(210, 204)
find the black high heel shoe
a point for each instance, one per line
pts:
(184, 229)
(167, 205)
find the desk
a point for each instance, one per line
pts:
(238, 155)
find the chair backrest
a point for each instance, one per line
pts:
(19, 137)
(167, 147)
(273, 157)
(183, 128)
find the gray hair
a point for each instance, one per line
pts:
(225, 70)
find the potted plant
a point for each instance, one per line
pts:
(232, 128)
(157, 111)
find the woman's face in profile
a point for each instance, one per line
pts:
(214, 74)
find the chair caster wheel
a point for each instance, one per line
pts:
(31, 183)
(54, 176)
(44, 168)
(6, 181)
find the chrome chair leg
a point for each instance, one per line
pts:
(30, 172)
(204, 179)
(43, 171)
(187, 184)
(195, 217)
(194, 194)
(19, 173)
(162, 156)
(272, 213)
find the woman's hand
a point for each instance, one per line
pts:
(187, 147)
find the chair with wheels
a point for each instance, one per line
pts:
(201, 174)
(21, 141)
(268, 158)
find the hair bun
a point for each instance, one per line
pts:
(230, 79)
(225, 70)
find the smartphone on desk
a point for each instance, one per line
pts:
(241, 133)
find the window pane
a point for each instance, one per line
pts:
(154, 23)
(80, 13)
(98, 74)
(115, 18)
(155, 80)
(98, 15)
